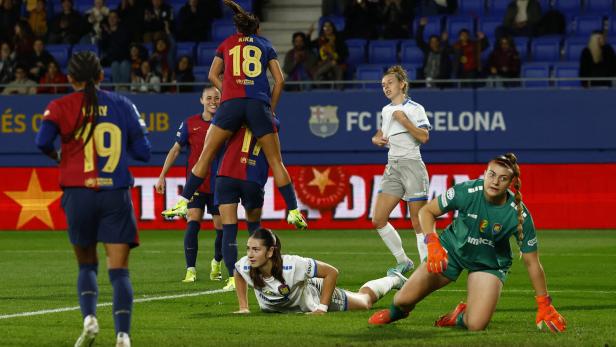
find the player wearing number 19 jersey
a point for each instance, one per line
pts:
(98, 130)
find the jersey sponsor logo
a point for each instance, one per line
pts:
(532, 242)
(476, 189)
(323, 120)
(287, 267)
(322, 189)
(474, 216)
(479, 241)
(496, 228)
(483, 225)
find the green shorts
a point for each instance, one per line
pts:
(455, 268)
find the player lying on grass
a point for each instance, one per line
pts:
(290, 283)
(478, 241)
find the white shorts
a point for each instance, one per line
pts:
(339, 298)
(406, 179)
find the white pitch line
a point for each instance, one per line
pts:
(75, 308)
(572, 291)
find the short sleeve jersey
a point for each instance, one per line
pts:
(479, 235)
(102, 163)
(246, 59)
(403, 145)
(191, 133)
(290, 297)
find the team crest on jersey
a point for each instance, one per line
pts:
(323, 120)
(496, 228)
(451, 193)
(284, 289)
(483, 225)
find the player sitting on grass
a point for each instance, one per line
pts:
(290, 283)
(478, 241)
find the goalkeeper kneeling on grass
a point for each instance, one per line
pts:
(478, 241)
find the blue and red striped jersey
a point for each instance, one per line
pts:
(192, 134)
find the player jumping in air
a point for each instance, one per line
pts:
(192, 133)
(478, 241)
(404, 128)
(243, 59)
(99, 130)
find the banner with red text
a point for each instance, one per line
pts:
(559, 196)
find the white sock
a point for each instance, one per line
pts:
(393, 242)
(381, 286)
(191, 269)
(422, 247)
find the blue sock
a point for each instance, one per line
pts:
(218, 246)
(252, 227)
(87, 288)
(288, 194)
(229, 246)
(191, 243)
(192, 183)
(122, 299)
(460, 321)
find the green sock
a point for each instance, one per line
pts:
(460, 321)
(396, 313)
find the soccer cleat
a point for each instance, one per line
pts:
(230, 284)
(90, 330)
(123, 340)
(400, 278)
(296, 218)
(449, 320)
(215, 273)
(402, 268)
(180, 209)
(384, 317)
(191, 275)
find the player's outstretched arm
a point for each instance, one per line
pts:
(274, 67)
(217, 69)
(422, 135)
(546, 313)
(329, 274)
(241, 289)
(173, 154)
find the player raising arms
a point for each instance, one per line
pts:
(243, 59)
(192, 133)
(98, 130)
(290, 283)
(404, 128)
(478, 241)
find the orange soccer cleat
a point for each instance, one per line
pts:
(449, 320)
(385, 316)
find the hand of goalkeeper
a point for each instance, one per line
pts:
(437, 255)
(548, 316)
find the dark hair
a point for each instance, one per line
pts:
(510, 161)
(334, 29)
(270, 240)
(464, 30)
(245, 22)
(300, 34)
(85, 67)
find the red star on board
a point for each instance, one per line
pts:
(34, 202)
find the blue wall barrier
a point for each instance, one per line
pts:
(330, 127)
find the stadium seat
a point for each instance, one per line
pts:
(383, 52)
(228, 13)
(410, 53)
(221, 29)
(573, 48)
(536, 70)
(584, 25)
(488, 25)
(201, 73)
(568, 7)
(206, 52)
(60, 53)
(82, 48)
(432, 28)
(521, 44)
(338, 21)
(370, 72)
(82, 6)
(471, 7)
(567, 70)
(411, 71)
(545, 49)
(497, 7)
(107, 75)
(601, 7)
(357, 51)
(457, 23)
(149, 46)
(185, 48)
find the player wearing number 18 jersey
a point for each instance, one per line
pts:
(99, 130)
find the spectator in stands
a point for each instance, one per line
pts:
(131, 15)
(9, 15)
(193, 22)
(437, 62)
(504, 62)
(115, 48)
(597, 60)
(146, 81)
(23, 41)
(138, 54)
(53, 76)
(162, 59)
(184, 74)
(396, 15)
(38, 19)
(521, 18)
(467, 54)
(332, 51)
(96, 16)
(436, 7)
(68, 26)
(158, 18)
(21, 84)
(38, 60)
(360, 21)
(299, 62)
(7, 63)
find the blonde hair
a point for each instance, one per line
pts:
(510, 161)
(594, 46)
(401, 75)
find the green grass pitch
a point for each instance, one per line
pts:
(38, 272)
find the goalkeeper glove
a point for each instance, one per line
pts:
(548, 316)
(437, 255)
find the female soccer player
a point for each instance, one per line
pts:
(477, 240)
(98, 130)
(404, 128)
(290, 283)
(192, 132)
(243, 59)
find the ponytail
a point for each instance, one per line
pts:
(270, 240)
(245, 22)
(85, 67)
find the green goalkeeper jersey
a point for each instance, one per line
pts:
(479, 236)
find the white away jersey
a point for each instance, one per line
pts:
(294, 296)
(401, 144)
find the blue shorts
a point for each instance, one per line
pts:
(200, 200)
(100, 216)
(233, 113)
(232, 190)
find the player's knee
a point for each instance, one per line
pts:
(378, 222)
(476, 324)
